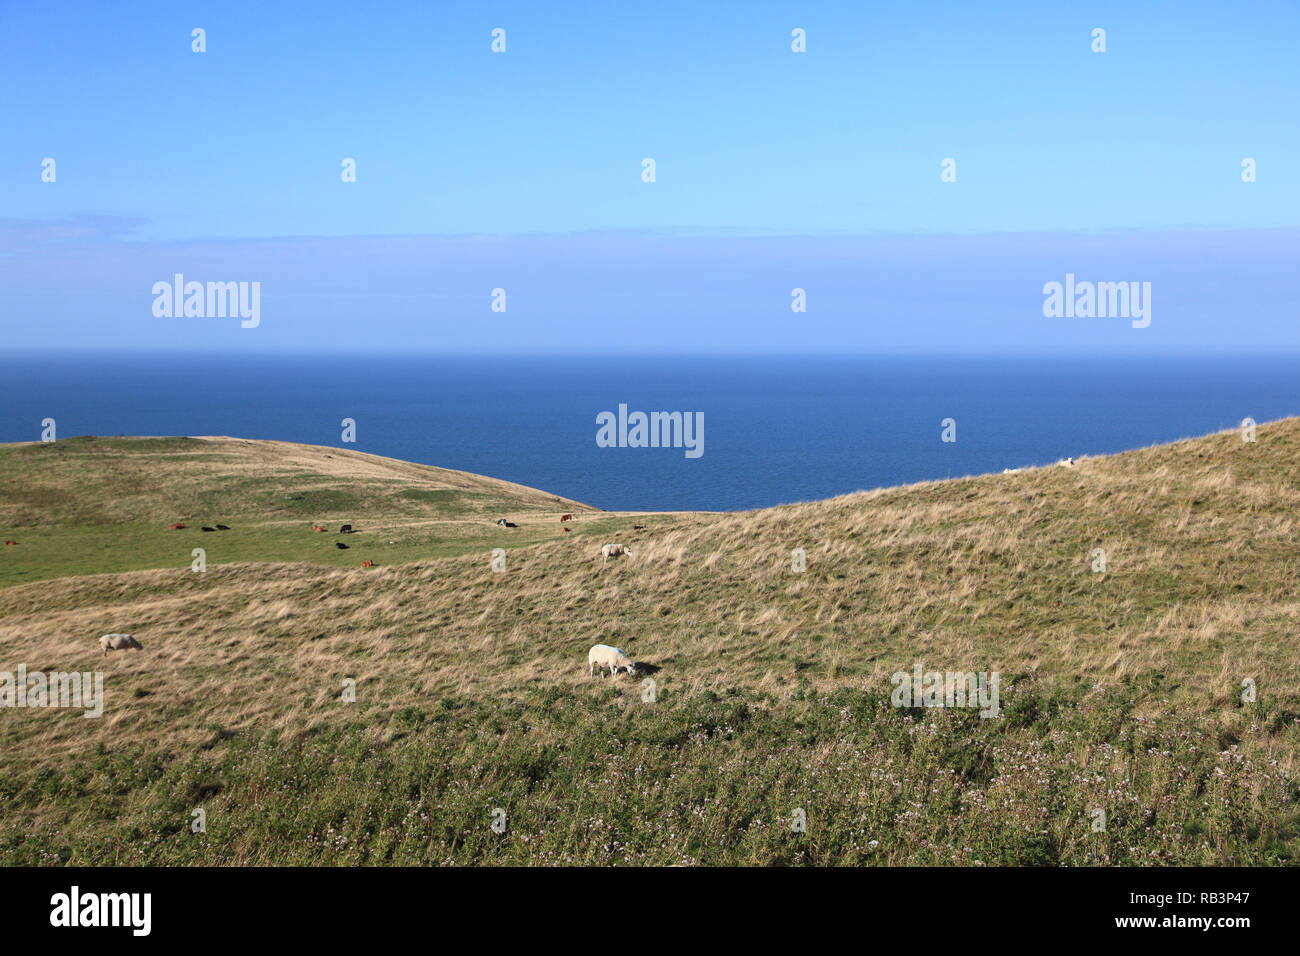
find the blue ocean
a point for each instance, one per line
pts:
(776, 429)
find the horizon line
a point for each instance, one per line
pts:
(487, 351)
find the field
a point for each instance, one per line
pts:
(476, 735)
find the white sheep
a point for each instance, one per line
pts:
(119, 642)
(608, 658)
(613, 551)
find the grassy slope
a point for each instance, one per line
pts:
(96, 505)
(1121, 690)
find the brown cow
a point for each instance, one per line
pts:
(367, 564)
(317, 527)
(10, 541)
(566, 530)
(175, 527)
(566, 518)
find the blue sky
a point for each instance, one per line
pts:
(486, 166)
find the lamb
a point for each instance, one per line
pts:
(613, 551)
(610, 658)
(118, 642)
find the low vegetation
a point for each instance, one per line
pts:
(1122, 691)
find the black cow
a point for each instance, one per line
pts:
(206, 528)
(340, 545)
(346, 529)
(222, 527)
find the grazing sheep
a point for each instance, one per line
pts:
(1012, 471)
(608, 658)
(118, 642)
(613, 551)
(1066, 463)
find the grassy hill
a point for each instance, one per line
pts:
(1121, 691)
(95, 505)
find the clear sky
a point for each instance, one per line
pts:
(774, 169)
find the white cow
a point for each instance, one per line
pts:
(613, 551)
(608, 658)
(119, 642)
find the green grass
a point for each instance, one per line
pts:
(77, 551)
(712, 780)
(1121, 691)
(102, 505)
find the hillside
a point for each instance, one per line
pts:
(93, 505)
(1121, 690)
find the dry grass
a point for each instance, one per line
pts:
(991, 573)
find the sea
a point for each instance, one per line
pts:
(775, 429)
